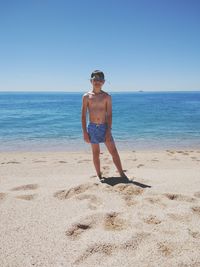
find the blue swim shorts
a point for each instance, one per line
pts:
(97, 132)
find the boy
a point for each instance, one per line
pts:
(99, 105)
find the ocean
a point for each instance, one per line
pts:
(51, 121)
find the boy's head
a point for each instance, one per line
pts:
(97, 78)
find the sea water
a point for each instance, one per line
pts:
(51, 121)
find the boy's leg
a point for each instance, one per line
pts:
(96, 159)
(116, 159)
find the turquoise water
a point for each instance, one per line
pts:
(52, 121)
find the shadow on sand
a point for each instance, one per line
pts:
(117, 180)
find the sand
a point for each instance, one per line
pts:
(55, 212)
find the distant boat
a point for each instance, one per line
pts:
(140, 91)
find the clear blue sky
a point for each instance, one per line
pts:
(151, 45)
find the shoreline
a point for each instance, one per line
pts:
(103, 148)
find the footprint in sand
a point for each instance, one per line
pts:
(179, 197)
(128, 192)
(152, 219)
(184, 217)
(2, 196)
(128, 189)
(197, 194)
(183, 152)
(11, 162)
(25, 187)
(65, 194)
(171, 151)
(123, 171)
(196, 209)
(130, 201)
(94, 202)
(155, 200)
(93, 176)
(107, 249)
(195, 159)
(112, 222)
(186, 153)
(140, 165)
(155, 160)
(165, 248)
(62, 161)
(106, 170)
(106, 167)
(175, 159)
(78, 193)
(84, 160)
(27, 197)
(133, 242)
(180, 152)
(194, 234)
(78, 228)
(108, 161)
(98, 248)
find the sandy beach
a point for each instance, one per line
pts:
(55, 212)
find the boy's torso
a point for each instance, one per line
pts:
(97, 106)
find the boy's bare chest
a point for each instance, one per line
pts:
(97, 101)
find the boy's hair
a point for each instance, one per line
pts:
(97, 74)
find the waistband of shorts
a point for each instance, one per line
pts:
(93, 123)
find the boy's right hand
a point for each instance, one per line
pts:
(86, 137)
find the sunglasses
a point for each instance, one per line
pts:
(98, 80)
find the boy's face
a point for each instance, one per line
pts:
(97, 83)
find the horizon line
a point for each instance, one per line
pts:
(62, 91)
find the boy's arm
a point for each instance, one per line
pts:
(84, 111)
(109, 112)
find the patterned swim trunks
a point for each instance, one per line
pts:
(97, 132)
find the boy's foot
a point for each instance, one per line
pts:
(123, 175)
(101, 178)
(100, 175)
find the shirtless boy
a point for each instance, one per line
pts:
(98, 130)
